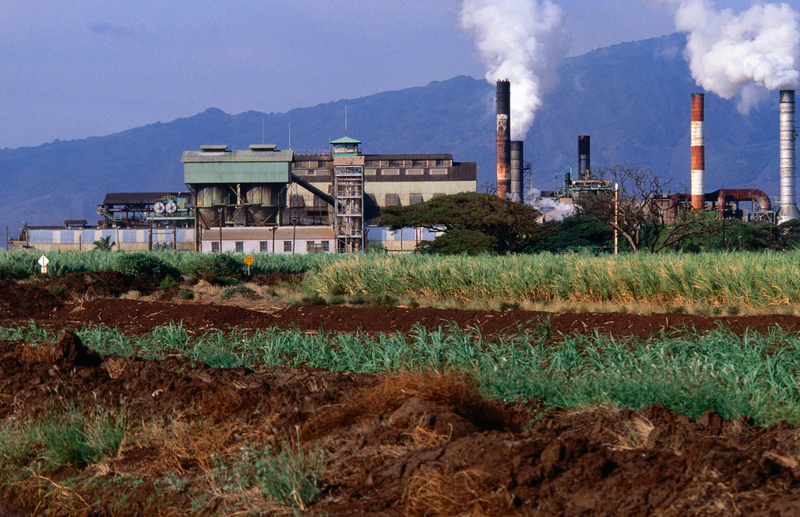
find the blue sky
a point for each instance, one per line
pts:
(89, 68)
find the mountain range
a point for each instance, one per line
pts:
(633, 99)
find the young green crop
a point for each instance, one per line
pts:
(756, 375)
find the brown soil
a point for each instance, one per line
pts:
(393, 445)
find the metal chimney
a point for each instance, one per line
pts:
(788, 210)
(698, 152)
(584, 157)
(503, 137)
(515, 170)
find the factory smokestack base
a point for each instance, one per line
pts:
(515, 171)
(698, 152)
(503, 138)
(788, 210)
(584, 157)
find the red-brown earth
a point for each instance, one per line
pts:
(393, 444)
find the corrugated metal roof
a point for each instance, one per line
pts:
(237, 156)
(345, 140)
(137, 198)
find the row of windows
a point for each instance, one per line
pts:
(263, 246)
(403, 164)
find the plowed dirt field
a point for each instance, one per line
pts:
(390, 445)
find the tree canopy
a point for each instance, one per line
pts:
(471, 221)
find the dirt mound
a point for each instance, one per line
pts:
(104, 283)
(407, 444)
(25, 300)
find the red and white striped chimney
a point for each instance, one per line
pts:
(698, 153)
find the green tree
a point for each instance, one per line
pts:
(472, 222)
(576, 230)
(641, 215)
(104, 244)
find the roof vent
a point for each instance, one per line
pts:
(214, 148)
(262, 147)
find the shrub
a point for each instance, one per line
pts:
(145, 264)
(233, 290)
(186, 294)
(212, 266)
(59, 291)
(74, 439)
(168, 283)
(289, 477)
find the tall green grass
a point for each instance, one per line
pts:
(21, 264)
(756, 375)
(759, 280)
(751, 279)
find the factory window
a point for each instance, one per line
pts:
(239, 246)
(263, 246)
(215, 247)
(326, 246)
(400, 163)
(392, 200)
(414, 172)
(322, 172)
(287, 246)
(311, 173)
(390, 172)
(312, 246)
(413, 199)
(439, 171)
(444, 163)
(378, 163)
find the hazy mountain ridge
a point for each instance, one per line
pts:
(633, 99)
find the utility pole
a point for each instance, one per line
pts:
(616, 218)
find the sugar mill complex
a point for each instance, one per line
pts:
(267, 200)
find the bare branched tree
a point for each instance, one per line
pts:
(642, 209)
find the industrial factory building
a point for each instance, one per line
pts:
(253, 200)
(511, 169)
(268, 200)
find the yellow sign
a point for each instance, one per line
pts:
(249, 260)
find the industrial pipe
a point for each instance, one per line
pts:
(698, 152)
(725, 196)
(674, 202)
(503, 137)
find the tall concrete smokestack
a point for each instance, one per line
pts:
(698, 152)
(503, 138)
(515, 170)
(788, 210)
(584, 157)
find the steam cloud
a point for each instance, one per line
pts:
(728, 52)
(522, 41)
(551, 209)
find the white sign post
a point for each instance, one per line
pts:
(43, 261)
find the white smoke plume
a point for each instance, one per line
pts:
(729, 51)
(523, 41)
(551, 209)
